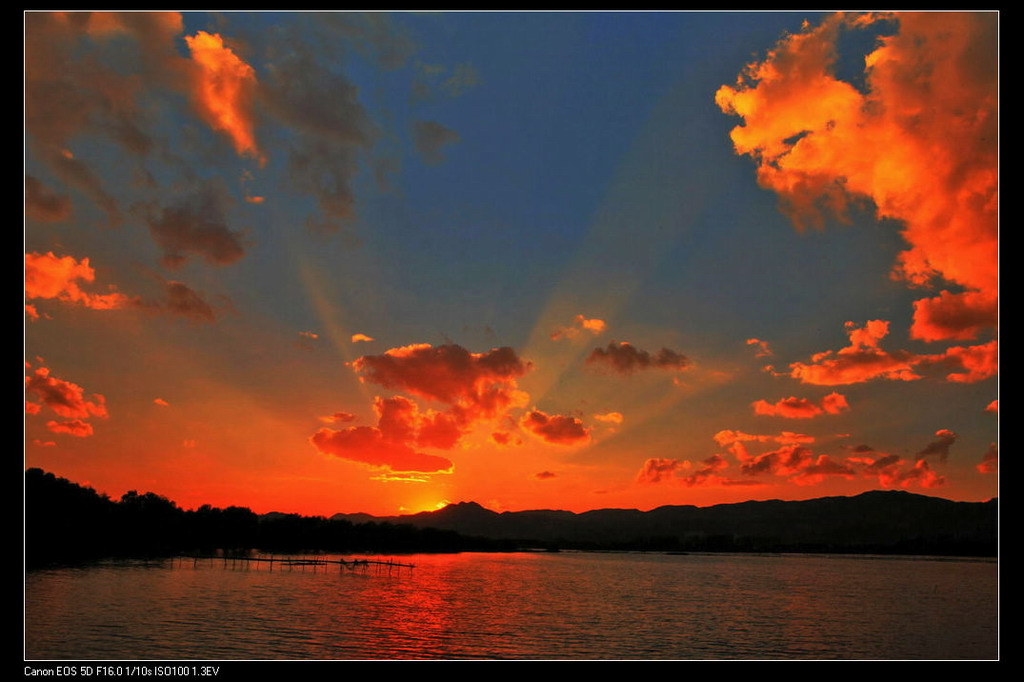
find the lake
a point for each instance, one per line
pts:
(520, 606)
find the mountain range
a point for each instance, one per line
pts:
(886, 521)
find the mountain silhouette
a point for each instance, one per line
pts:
(874, 521)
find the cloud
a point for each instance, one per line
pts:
(401, 428)
(71, 90)
(66, 399)
(785, 461)
(48, 276)
(763, 349)
(431, 138)
(920, 142)
(183, 301)
(626, 359)
(944, 439)
(864, 360)
(329, 127)
(475, 387)
(674, 471)
(44, 205)
(338, 417)
(401, 420)
(579, 324)
(196, 227)
(610, 417)
(501, 437)
(312, 336)
(557, 429)
(989, 463)
(477, 384)
(802, 408)
(801, 466)
(727, 437)
(975, 363)
(657, 469)
(708, 473)
(920, 474)
(992, 406)
(814, 472)
(861, 361)
(960, 316)
(161, 402)
(544, 475)
(356, 338)
(73, 427)
(367, 445)
(179, 300)
(224, 90)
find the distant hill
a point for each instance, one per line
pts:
(879, 521)
(66, 522)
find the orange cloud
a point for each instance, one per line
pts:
(356, 338)
(543, 475)
(802, 408)
(579, 324)
(366, 444)
(993, 406)
(657, 469)
(960, 316)
(225, 87)
(338, 417)
(610, 418)
(785, 461)
(814, 472)
(63, 397)
(862, 360)
(161, 402)
(73, 427)
(557, 429)
(989, 463)
(626, 359)
(399, 419)
(58, 277)
(728, 437)
(661, 470)
(920, 474)
(763, 349)
(476, 384)
(974, 362)
(921, 143)
(401, 428)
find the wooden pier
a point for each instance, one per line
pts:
(291, 562)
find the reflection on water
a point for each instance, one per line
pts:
(521, 606)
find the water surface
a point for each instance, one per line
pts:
(521, 606)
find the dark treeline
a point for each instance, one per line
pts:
(66, 522)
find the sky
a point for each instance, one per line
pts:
(346, 262)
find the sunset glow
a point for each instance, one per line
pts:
(320, 263)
